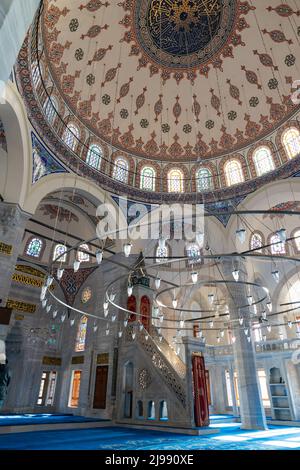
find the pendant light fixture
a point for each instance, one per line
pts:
(269, 305)
(157, 282)
(281, 233)
(275, 275)
(236, 274)
(76, 266)
(60, 273)
(129, 290)
(174, 303)
(99, 256)
(211, 298)
(241, 235)
(194, 276)
(200, 239)
(127, 249)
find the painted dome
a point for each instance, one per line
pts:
(165, 81)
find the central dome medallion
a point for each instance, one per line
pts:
(183, 33)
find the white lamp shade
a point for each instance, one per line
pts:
(236, 275)
(174, 303)
(127, 249)
(157, 282)
(99, 256)
(194, 277)
(282, 234)
(76, 266)
(200, 239)
(129, 290)
(241, 235)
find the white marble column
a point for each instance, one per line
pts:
(12, 225)
(251, 407)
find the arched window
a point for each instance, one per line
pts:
(60, 250)
(161, 253)
(151, 410)
(277, 246)
(36, 75)
(296, 235)
(71, 136)
(194, 253)
(163, 411)
(121, 170)
(233, 172)
(204, 180)
(175, 181)
(256, 242)
(263, 160)
(94, 155)
(81, 334)
(291, 142)
(148, 175)
(50, 109)
(34, 247)
(82, 256)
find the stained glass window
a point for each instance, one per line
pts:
(81, 334)
(204, 180)
(93, 158)
(277, 246)
(263, 160)
(233, 172)
(148, 175)
(71, 136)
(60, 249)
(161, 253)
(36, 76)
(175, 181)
(121, 170)
(86, 295)
(291, 142)
(82, 256)
(34, 247)
(256, 242)
(296, 236)
(193, 252)
(50, 109)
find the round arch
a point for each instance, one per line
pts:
(19, 148)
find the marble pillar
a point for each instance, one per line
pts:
(251, 407)
(12, 225)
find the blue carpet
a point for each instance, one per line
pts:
(230, 438)
(43, 418)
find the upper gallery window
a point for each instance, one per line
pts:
(175, 181)
(94, 155)
(204, 180)
(60, 250)
(148, 176)
(34, 247)
(81, 334)
(82, 254)
(233, 172)
(277, 246)
(50, 109)
(291, 142)
(161, 253)
(71, 136)
(256, 242)
(121, 170)
(296, 236)
(193, 253)
(263, 160)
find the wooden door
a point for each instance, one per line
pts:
(100, 387)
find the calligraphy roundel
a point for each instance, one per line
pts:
(183, 33)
